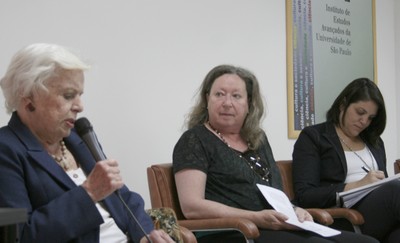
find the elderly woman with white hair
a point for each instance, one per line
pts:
(45, 166)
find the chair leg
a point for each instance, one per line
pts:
(357, 229)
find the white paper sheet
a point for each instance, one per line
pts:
(281, 203)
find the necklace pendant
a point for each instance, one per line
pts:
(359, 156)
(62, 160)
(254, 165)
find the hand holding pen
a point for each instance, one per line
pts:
(365, 168)
(373, 175)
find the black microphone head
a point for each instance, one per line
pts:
(85, 131)
(83, 126)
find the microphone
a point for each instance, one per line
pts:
(85, 131)
(87, 134)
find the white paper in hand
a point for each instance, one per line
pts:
(280, 202)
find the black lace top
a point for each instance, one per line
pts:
(230, 180)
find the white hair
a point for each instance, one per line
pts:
(31, 67)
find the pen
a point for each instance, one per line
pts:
(366, 169)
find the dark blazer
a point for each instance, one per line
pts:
(58, 210)
(319, 165)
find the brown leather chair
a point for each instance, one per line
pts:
(187, 235)
(163, 193)
(396, 166)
(353, 216)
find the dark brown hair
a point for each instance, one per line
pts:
(361, 89)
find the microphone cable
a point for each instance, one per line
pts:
(85, 130)
(133, 216)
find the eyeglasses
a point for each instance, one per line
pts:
(256, 166)
(259, 168)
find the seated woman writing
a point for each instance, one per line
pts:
(346, 152)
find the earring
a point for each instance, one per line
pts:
(31, 108)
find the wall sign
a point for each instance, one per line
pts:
(329, 44)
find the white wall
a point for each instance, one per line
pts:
(385, 38)
(396, 9)
(149, 58)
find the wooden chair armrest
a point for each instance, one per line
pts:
(245, 226)
(351, 215)
(321, 216)
(187, 235)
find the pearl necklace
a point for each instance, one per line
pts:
(264, 173)
(369, 151)
(62, 161)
